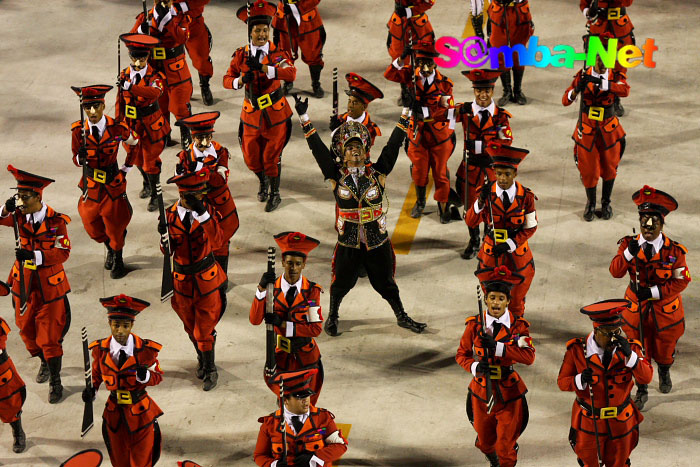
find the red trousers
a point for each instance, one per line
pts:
(198, 47)
(289, 363)
(199, 316)
(146, 155)
(43, 325)
(12, 392)
(518, 292)
(431, 158)
(614, 452)
(176, 100)
(106, 220)
(311, 44)
(132, 449)
(475, 180)
(262, 147)
(597, 163)
(499, 431)
(659, 345)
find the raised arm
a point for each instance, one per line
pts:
(320, 151)
(390, 152)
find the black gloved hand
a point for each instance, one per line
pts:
(247, 77)
(593, 13)
(253, 63)
(587, 376)
(162, 228)
(161, 9)
(301, 106)
(273, 318)
(594, 79)
(465, 108)
(141, 372)
(281, 463)
(267, 278)
(146, 27)
(406, 52)
(488, 341)
(335, 122)
(501, 248)
(643, 293)
(400, 11)
(88, 394)
(24, 255)
(483, 195)
(634, 247)
(471, 145)
(10, 205)
(483, 368)
(197, 205)
(303, 460)
(623, 344)
(82, 155)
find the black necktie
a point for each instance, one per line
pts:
(496, 328)
(607, 356)
(648, 250)
(137, 79)
(291, 293)
(506, 200)
(96, 133)
(484, 117)
(187, 221)
(122, 358)
(296, 423)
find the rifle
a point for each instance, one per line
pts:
(166, 285)
(487, 186)
(271, 338)
(283, 423)
(642, 316)
(490, 400)
(465, 161)
(595, 423)
(335, 92)
(293, 53)
(87, 410)
(415, 89)
(84, 134)
(22, 288)
(145, 17)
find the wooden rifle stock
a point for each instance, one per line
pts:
(271, 337)
(166, 285)
(22, 286)
(88, 421)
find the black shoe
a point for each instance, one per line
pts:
(211, 377)
(43, 375)
(493, 459)
(207, 98)
(473, 247)
(331, 324)
(109, 260)
(146, 189)
(154, 180)
(641, 397)
(402, 318)
(606, 211)
(619, 109)
(200, 365)
(264, 186)
(20, 440)
(118, 271)
(315, 71)
(318, 91)
(418, 208)
(445, 214)
(665, 383)
(589, 211)
(274, 199)
(169, 143)
(519, 97)
(55, 387)
(506, 97)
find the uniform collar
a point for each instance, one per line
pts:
(100, 125)
(360, 119)
(182, 211)
(476, 108)
(657, 243)
(511, 192)
(592, 347)
(284, 285)
(429, 80)
(603, 75)
(38, 216)
(288, 418)
(504, 320)
(210, 151)
(142, 72)
(115, 347)
(265, 49)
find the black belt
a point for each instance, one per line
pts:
(266, 100)
(122, 396)
(162, 53)
(511, 232)
(3, 356)
(299, 342)
(603, 412)
(101, 174)
(607, 111)
(134, 112)
(199, 266)
(623, 11)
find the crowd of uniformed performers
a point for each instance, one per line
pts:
(601, 368)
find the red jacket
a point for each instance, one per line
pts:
(611, 388)
(373, 128)
(418, 24)
(51, 239)
(196, 8)
(261, 89)
(308, 14)
(616, 22)
(318, 435)
(496, 127)
(304, 314)
(519, 27)
(11, 382)
(142, 410)
(143, 96)
(667, 271)
(609, 129)
(517, 348)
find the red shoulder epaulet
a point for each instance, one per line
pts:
(95, 343)
(527, 323)
(577, 340)
(634, 341)
(623, 238)
(471, 318)
(680, 245)
(242, 48)
(502, 110)
(76, 124)
(152, 344)
(313, 285)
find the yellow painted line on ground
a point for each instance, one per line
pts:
(406, 226)
(345, 431)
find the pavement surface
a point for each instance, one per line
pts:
(402, 393)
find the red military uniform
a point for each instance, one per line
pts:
(129, 421)
(171, 29)
(365, 92)
(296, 348)
(513, 224)
(431, 138)
(104, 206)
(409, 21)
(617, 419)
(214, 159)
(199, 42)
(611, 18)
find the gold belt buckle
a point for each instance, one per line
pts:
(608, 412)
(495, 371)
(29, 264)
(366, 215)
(284, 344)
(500, 235)
(99, 176)
(159, 53)
(613, 13)
(124, 397)
(264, 101)
(130, 111)
(596, 113)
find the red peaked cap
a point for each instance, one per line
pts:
(503, 155)
(482, 78)
(295, 243)
(425, 49)
(187, 464)
(261, 12)
(86, 458)
(139, 44)
(123, 307)
(362, 89)
(94, 93)
(607, 312)
(29, 181)
(500, 279)
(201, 123)
(191, 182)
(296, 383)
(4, 289)
(651, 200)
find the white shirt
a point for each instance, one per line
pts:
(315, 461)
(253, 50)
(201, 155)
(101, 125)
(133, 73)
(656, 245)
(182, 212)
(114, 349)
(592, 347)
(604, 85)
(500, 347)
(511, 196)
(289, 330)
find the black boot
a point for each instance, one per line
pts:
(55, 387)
(642, 396)
(274, 199)
(146, 190)
(617, 106)
(211, 377)
(118, 271)
(315, 71)
(185, 138)
(43, 375)
(200, 361)
(507, 89)
(665, 383)
(474, 243)
(264, 185)
(493, 459)
(20, 442)
(154, 180)
(207, 98)
(331, 324)
(444, 213)
(518, 95)
(109, 260)
(418, 208)
(589, 212)
(404, 93)
(606, 210)
(169, 143)
(402, 318)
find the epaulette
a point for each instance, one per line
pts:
(577, 340)
(94, 344)
(152, 344)
(471, 318)
(312, 284)
(634, 341)
(76, 124)
(502, 110)
(680, 245)
(64, 217)
(236, 51)
(321, 410)
(623, 238)
(523, 320)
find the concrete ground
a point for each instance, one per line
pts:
(402, 393)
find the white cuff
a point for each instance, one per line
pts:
(141, 29)
(125, 168)
(531, 220)
(148, 377)
(571, 98)
(473, 368)
(632, 361)
(405, 112)
(77, 161)
(236, 83)
(426, 112)
(290, 330)
(131, 141)
(585, 12)
(655, 294)
(628, 256)
(6, 213)
(396, 63)
(201, 219)
(38, 258)
(476, 207)
(184, 7)
(304, 118)
(295, 13)
(271, 72)
(126, 85)
(223, 171)
(478, 146)
(512, 245)
(274, 464)
(315, 461)
(409, 13)
(260, 295)
(604, 84)
(451, 118)
(580, 384)
(500, 349)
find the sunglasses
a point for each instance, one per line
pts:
(614, 333)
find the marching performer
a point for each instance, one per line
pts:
(360, 93)
(199, 43)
